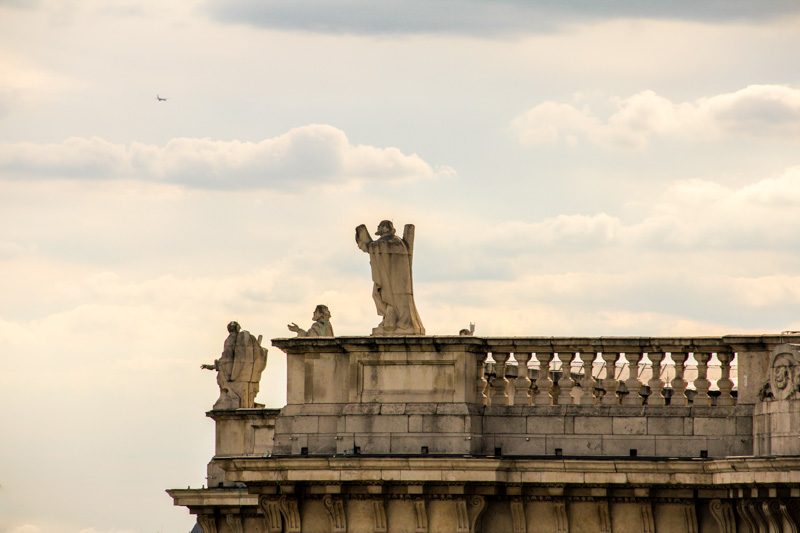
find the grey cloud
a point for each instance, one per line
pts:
(481, 17)
(310, 155)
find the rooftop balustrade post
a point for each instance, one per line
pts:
(499, 384)
(544, 393)
(656, 384)
(565, 382)
(678, 383)
(588, 382)
(701, 384)
(482, 383)
(522, 385)
(610, 383)
(725, 384)
(633, 383)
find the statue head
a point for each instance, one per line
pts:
(782, 372)
(385, 228)
(234, 327)
(321, 312)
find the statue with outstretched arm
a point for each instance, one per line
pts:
(320, 328)
(391, 258)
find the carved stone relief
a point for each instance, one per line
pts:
(207, 523)
(723, 514)
(784, 373)
(336, 514)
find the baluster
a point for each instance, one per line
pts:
(499, 385)
(701, 384)
(725, 384)
(522, 385)
(678, 383)
(610, 383)
(656, 383)
(543, 382)
(480, 393)
(588, 382)
(565, 382)
(633, 384)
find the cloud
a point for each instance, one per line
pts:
(688, 215)
(479, 17)
(310, 155)
(757, 110)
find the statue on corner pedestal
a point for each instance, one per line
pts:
(320, 328)
(391, 258)
(239, 369)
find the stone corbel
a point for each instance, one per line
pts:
(207, 523)
(690, 518)
(336, 514)
(279, 511)
(562, 521)
(789, 524)
(272, 513)
(477, 504)
(234, 523)
(519, 523)
(648, 524)
(778, 517)
(604, 516)
(462, 516)
(290, 513)
(379, 513)
(723, 514)
(420, 516)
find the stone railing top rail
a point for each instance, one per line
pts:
(734, 343)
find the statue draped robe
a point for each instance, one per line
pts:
(390, 258)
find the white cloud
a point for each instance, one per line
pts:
(757, 110)
(310, 155)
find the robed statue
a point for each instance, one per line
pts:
(239, 369)
(393, 290)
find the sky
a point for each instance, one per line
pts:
(572, 168)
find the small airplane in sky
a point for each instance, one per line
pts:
(160, 99)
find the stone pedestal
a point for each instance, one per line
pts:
(776, 428)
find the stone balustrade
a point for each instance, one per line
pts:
(642, 379)
(657, 370)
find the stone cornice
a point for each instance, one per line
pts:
(731, 472)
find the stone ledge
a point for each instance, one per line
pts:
(730, 472)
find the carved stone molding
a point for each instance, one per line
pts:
(690, 518)
(604, 516)
(379, 515)
(772, 516)
(420, 516)
(336, 514)
(723, 514)
(750, 511)
(272, 513)
(648, 523)
(518, 522)
(234, 523)
(207, 523)
(290, 513)
(744, 514)
(789, 524)
(280, 511)
(477, 504)
(462, 516)
(562, 522)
